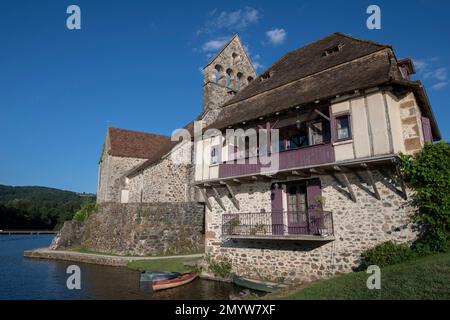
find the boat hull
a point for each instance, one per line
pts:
(176, 282)
(255, 284)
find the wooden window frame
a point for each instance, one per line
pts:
(334, 129)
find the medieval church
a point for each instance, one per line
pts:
(343, 110)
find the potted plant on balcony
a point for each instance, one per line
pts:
(320, 221)
(233, 224)
(258, 229)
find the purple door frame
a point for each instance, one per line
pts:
(277, 209)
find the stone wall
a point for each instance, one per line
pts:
(165, 181)
(357, 227)
(411, 124)
(111, 171)
(69, 236)
(226, 74)
(142, 229)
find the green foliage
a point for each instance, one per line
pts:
(38, 207)
(168, 265)
(85, 211)
(424, 278)
(387, 253)
(219, 267)
(280, 280)
(428, 173)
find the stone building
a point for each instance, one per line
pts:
(303, 170)
(148, 168)
(297, 168)
(122, 151)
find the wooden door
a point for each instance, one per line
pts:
(297, 214)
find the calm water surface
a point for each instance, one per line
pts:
(23, 278)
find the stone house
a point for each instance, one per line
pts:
(302, 170)
(122, 151)
(297, 168)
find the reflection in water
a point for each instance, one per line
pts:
(22, 278)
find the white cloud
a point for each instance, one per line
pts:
(440, 74)
(214, 45)
(237, 20)
(257, 65)
(440, 85)
(276, 36)
(426, 68)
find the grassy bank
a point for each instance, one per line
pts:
(168, 264)
(423, 278)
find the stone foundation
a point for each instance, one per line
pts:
(140, 229)
(357, 227)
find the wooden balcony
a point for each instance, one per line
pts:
(306, 156)
(279, 226)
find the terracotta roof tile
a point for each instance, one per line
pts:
(135, 144)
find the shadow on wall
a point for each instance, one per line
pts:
(274, 244)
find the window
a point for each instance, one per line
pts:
(215, 152)
(293, 137)
(319, 132)
(230, 80)
(343, 127)
(332, 50)
(218, 71)
(239, 80)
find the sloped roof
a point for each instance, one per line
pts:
(309, 60)
(359, 74)
(135, 144)
(158, 155)
(305, 75)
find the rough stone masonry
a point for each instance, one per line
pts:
(138, 229)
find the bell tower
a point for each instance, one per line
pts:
(227, 73)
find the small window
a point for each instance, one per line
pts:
(239, 80)
(215, 153)
(343, 127)
(332, 50)
(265, 76)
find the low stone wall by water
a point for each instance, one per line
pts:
(138, 229)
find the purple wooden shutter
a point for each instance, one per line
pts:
(426, 129)
(277, 209)
(314, 190)
(314, 207)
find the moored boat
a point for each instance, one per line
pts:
(150, 276)
(175, 282)
(258, 285)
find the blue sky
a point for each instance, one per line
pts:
(136, 65)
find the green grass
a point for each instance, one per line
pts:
(422, 278)
(170, 264)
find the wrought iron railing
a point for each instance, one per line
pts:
(314, 223)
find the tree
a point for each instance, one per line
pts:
(428, 173)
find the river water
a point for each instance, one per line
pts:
(23, 278)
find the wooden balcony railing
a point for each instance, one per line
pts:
(307, 156)
(279, 225)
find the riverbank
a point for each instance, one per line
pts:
(40, 278)
(97, 258)
(426, 278)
